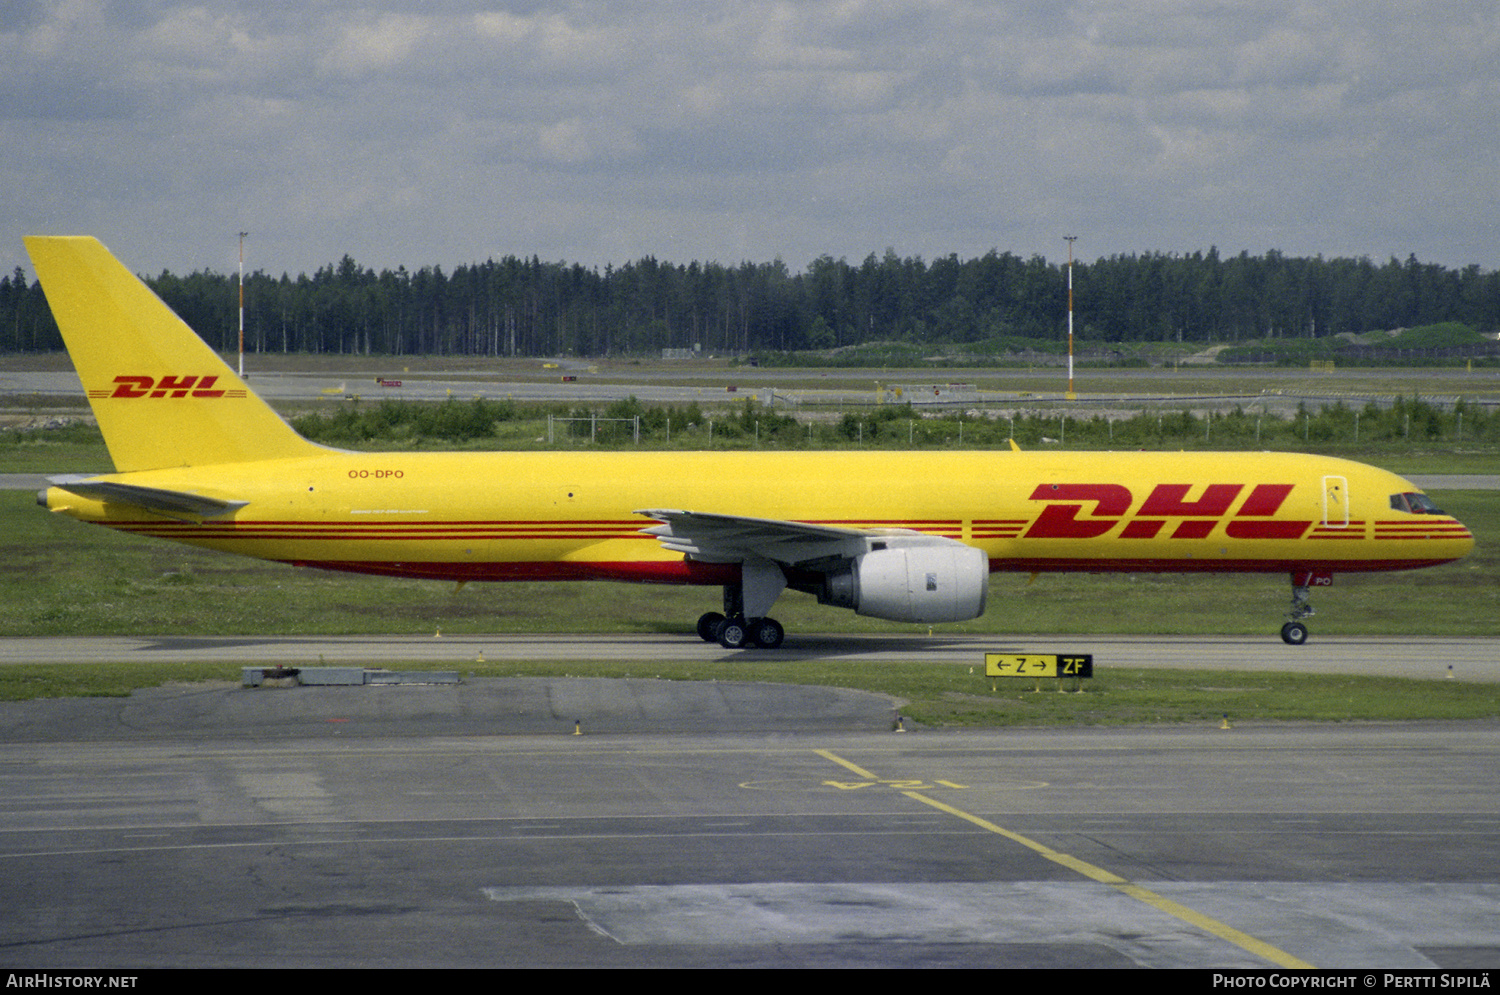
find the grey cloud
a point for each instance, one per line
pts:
(595, 131)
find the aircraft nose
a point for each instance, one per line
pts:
(1456, 535)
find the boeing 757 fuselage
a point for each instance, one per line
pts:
(907, 536)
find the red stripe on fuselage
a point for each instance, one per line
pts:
(647, 572)
(1321, 563)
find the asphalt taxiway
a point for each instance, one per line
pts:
(1421, 657)
(724, 824)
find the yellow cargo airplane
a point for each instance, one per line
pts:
(908, 536)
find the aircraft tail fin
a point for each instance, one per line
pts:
(162, 397)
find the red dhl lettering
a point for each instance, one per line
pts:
(1065, 516)
(1060, 521)
(142, 387)
(1264, 502)
(169, 386)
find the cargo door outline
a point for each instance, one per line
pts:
(1336, 502)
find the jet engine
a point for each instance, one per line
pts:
(937, 582)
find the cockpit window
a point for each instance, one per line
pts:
(1417, 504)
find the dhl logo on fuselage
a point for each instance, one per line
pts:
(168, 386)
(1253, 519)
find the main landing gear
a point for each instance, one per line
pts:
(737, 632)
(736, 627)
(1294, 632)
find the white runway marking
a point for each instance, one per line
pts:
(1366, 926)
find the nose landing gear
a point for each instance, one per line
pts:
(1294, 632)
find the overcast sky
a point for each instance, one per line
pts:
(450, 131)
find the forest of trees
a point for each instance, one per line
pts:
(525, 307)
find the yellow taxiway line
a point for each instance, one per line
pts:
(1190, 916)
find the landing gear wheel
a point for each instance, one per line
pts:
(767, 632)
(1294, 633)
(708, 626)
(732, 634)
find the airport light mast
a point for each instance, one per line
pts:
(1070, 239)
(242, 303)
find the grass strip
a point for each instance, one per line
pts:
(934, 695)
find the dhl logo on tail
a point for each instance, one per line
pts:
(168, 386)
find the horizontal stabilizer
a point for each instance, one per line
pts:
(174, 504)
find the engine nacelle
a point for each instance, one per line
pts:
(945, 582)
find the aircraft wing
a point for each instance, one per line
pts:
(173, 504)
(734, 538)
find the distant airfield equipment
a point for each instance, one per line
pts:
(1070, 240)
(243, 235)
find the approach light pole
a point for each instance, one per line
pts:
(1070, 240)
(242, 303)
